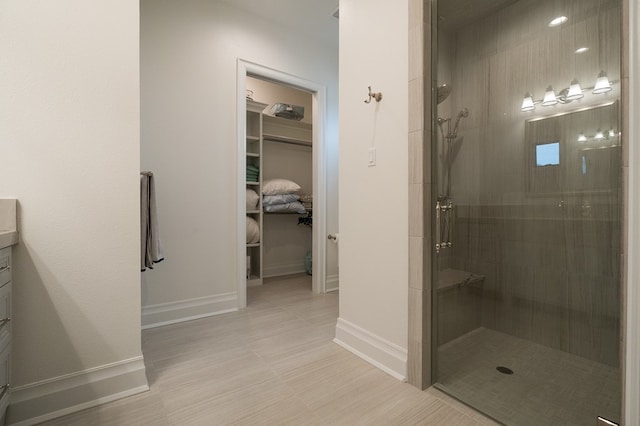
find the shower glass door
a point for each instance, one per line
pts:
(527, 160)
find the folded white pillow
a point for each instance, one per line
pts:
(279, 187)
(252, 199)
(253, 231)
(294, 207)
(270, 200)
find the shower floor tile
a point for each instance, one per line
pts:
(548, 386)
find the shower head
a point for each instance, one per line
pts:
(443, 91)
(463, 113)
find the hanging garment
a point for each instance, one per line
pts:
(150, 238)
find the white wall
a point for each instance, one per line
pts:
(374, 200)
(69, 141)
(188, 76)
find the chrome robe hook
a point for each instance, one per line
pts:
(375, 95)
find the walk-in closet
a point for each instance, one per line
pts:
(279, 181)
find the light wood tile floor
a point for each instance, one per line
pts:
(273, 363)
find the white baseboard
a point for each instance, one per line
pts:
(186, 310)
(38, 402)
(387, 356)
(283, 269)
(333, 283)
(254, 282)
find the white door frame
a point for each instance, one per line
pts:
(319, 107)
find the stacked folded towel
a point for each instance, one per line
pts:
(252, 173)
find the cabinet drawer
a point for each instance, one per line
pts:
(5, 315)
(5, 265)
(5, 378)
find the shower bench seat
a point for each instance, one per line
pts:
(455, 278)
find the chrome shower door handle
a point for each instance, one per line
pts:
(449, 224)
(444, 211)
(438, 236)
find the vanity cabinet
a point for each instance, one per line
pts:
(5, 330)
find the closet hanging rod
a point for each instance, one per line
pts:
(284, 139)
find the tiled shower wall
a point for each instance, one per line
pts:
(419, 322)
(552, 278)
(551, 261)
(494, 61)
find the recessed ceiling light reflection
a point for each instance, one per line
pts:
(582, 49)
(558, 21)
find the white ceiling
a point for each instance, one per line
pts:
(310, 17)
(314, 17)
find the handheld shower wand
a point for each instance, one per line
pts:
(464, 113)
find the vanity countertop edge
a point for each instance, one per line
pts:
(8, 238)
(8, 222)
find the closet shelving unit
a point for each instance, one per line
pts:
(286, 131)
(260, 129)
(286, 139)
(254, 158)
(289, 132)
(287, 244)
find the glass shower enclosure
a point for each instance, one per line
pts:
(527, 159)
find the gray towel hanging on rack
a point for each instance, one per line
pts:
(151, 252)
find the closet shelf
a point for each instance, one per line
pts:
(254, 163)
(288, 213)
(284, 139)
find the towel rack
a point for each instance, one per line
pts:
(146, 173)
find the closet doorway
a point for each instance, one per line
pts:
(249, 74)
